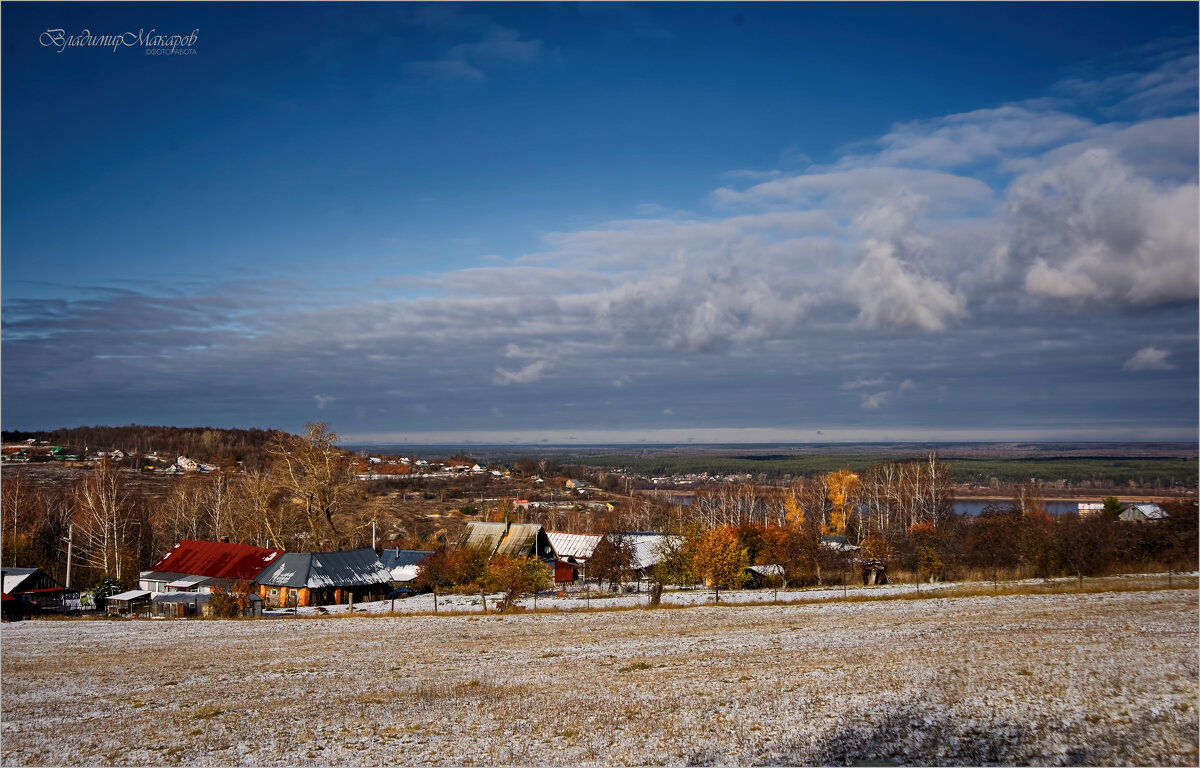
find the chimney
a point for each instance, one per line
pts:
(224, 539)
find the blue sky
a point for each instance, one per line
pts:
(605, 222)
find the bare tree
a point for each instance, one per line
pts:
(315, 472)
(105, 519)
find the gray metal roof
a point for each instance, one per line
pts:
(1144, 511)
(404, 564)
(352, 568)
(573, 545)
(133, 594)
(161, 576)
(290, 570)
(648, 547)
(395, 558)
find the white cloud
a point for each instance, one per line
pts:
(985, 134)
(526, 375)
(1093, 230)
(1149, 359)
(862, 383)
(890, 293)
(465, 62)
(875, 402)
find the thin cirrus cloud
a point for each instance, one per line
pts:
(499, 46)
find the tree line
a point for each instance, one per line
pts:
(222, 447)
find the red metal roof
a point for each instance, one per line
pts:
(216, 559)
(8, 596)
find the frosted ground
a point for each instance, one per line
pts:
(1102, 678)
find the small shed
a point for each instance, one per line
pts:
(764, 575)
(184, 605)
(874, 572)
(135, 602)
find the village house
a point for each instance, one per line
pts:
(1142, 513)
(324, 578)
(201, 566)
(508, 539)
(571, 553)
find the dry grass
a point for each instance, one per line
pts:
(1065, 678)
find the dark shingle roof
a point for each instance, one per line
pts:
(353, 568)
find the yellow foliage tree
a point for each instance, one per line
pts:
(843, 487)
(793, 512)
(720, 561)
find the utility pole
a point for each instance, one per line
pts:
(372, 534)
(69, 540)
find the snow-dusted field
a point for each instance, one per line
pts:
(1106, 678)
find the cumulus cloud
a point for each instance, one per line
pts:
(1149, 359)
(1095, 231)
(890, 293)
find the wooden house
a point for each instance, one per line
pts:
(324, 578)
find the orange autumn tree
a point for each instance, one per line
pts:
(843, 487)
(720, 560)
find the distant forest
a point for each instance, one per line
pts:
(223, 447)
